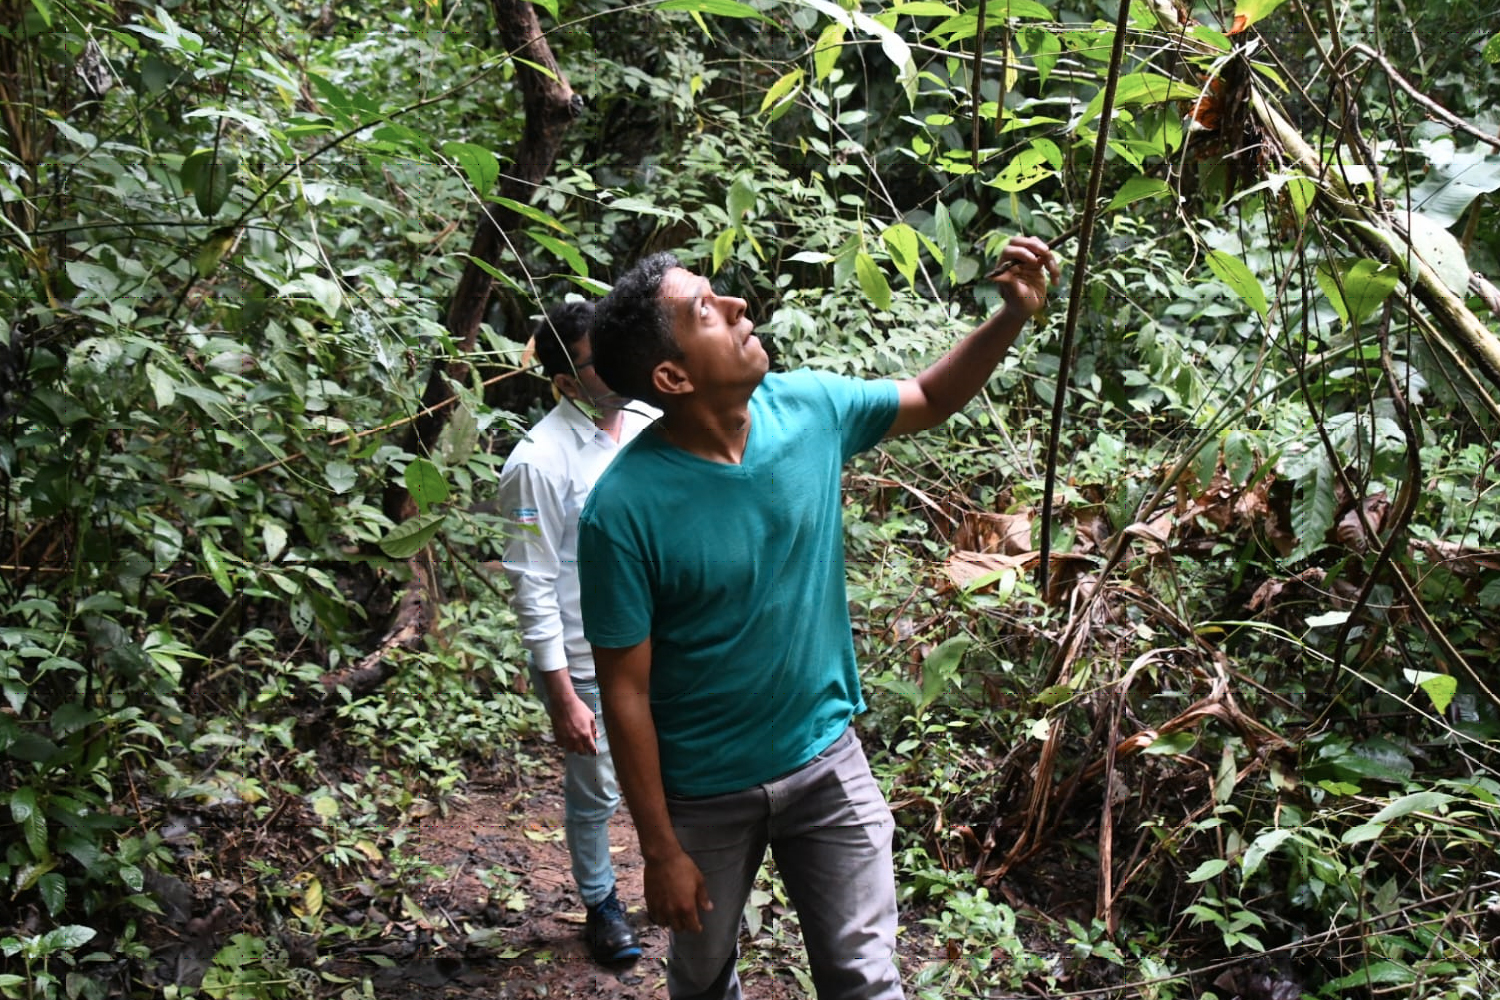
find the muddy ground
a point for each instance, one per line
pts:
(513, 936)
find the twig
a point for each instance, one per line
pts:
(1052, 243)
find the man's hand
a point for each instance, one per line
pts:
(573, 721)
(675, 893)
(1023, 273)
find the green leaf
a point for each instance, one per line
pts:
(1029, 167)
(479, 164)
(1331, 619)
(1492, 51)
(53, 889)
(273, 539)
(1239, 457)
(1233, 272)
(1140, 88)
(69, 718)
(410, 536)
(718, 8)
(1362, 833)
(1358, 290)
(209, 175)
(1454, 179)
(940, 666)
(741, 197)
(1439, 687)
(1383, 972)
(1415, 802)
(947, 239)
(1172, 744)
(1055, 695)
(65, 938)
(1440, 250)
(531, 212)
(1211, 868)
(23, 809)
(340, 476)
(426, 483)
(566, 251)
(323, 291)
(102, 281)
(1260, 849)
(213, 559)
(1303, 192)
(901, 243)
(1312, 508)
(872, 280)
(1138, 189)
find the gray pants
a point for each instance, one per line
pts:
(829, 830)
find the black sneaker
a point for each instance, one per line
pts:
(608, 933)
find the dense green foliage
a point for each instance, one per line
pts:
(1243, 740)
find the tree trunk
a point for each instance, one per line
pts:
(550, 107)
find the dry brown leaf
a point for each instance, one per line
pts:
(964, 567)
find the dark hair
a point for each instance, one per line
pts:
(633, 329)
(558, 332)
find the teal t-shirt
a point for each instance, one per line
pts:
(736, 574)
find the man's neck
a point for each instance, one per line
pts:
(715, 434)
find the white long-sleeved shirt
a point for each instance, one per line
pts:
(542, 489)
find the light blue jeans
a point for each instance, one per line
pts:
(829, 829)
(590, 797)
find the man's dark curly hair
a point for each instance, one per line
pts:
(633, 330)
(558, 332)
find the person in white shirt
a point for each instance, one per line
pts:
(542, 489)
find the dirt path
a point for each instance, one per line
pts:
(510, 918)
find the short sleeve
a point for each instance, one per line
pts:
(864, 409)
(614, 586)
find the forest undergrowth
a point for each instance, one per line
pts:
(1178, 643)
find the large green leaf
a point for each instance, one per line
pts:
(479, 164)
(1452, 182)
(209, 175)
(1356, 289)
(1138, 189)
(28, 817)
(1312, 508)
(1233, 272)
(1140, 88)
(718, 8)
(940, 666)
(1440, 251)
(1032, 165)
(410, 536)
(426, 483)
(566, 251)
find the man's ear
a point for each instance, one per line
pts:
(670, 379)
(567, 385)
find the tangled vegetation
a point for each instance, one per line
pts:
(1179, 642)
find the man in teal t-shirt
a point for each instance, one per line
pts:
(712, 570)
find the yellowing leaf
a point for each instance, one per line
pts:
(782, 92)
(1247, 12)
(826, 53)
(872, 280)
